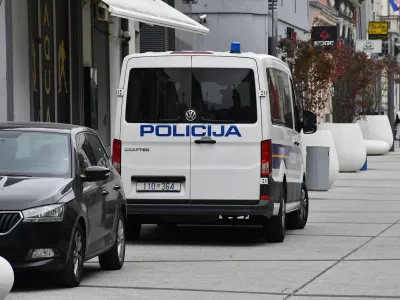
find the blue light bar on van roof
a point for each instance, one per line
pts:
(235, 47)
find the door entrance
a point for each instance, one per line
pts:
(101, 63)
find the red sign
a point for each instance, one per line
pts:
(340, 44)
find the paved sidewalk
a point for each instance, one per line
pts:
(350, 249)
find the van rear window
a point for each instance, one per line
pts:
(218, 95)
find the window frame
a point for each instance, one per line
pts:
(79, 169)
(87, 134)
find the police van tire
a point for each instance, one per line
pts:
(275, 227)
(133, 229)
(298, 219)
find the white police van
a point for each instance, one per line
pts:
(211, 136)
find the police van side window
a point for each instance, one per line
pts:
(297, 120)
(157, 95)
(280, 97)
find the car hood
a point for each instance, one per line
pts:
(19, 193)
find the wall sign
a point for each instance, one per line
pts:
(47, 27)
(62, 61)
(34, 59)
(324, 35)
(369, 46)
(378, 30)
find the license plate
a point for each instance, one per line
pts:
(158, 186)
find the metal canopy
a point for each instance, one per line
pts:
(154, 12)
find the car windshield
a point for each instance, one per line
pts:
(36, 154)
(219, 95)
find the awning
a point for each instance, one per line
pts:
(154, 12)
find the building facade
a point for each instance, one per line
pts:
(61, 59)
(383, 11)
(351, 18)
(247, 22)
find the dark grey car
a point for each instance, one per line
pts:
(61, 200)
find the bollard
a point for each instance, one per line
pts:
(6, 278)
(317, 168)
(365, 166)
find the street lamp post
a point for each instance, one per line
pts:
(273, 38)
(391, 85)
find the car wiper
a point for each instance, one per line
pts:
(15, 175)
(178, 119)
(221, 121)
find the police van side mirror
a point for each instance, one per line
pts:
(309, 122)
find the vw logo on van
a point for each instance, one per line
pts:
(190, 115)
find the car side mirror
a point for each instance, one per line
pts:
(96, 173)
(309, 122)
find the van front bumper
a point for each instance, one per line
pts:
(147, 207)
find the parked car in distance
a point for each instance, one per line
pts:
(61, 200)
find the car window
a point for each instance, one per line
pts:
(157, 95)
(31, 153)
(280, 97)
(224, 95)
(86, 155)
(101, 156)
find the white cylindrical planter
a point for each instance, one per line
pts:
(349, 143)
(6, 278)
(375, 147)
(323, 138)
(377, 128)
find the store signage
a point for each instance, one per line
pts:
(324, 35)
(369, 46)
(378, 30)
(47, 32)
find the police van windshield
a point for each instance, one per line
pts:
(218, 95)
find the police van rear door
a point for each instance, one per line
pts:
(155, 154)
(227, 134)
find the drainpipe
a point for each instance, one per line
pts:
(124, 44)
(9, 55)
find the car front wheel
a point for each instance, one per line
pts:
(114, 258)
(71, 275)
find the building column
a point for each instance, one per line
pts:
(3, 64)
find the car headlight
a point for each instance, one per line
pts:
(48, 213)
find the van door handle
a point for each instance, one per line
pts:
(105, 192)
(297, 143)
(117, 187)
(208, 141)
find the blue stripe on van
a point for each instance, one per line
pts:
(282, 152)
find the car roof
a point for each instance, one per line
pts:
(45, 127)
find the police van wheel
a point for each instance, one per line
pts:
(133, 229)
(298, 219)
(275, 227)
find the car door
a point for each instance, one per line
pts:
(284, 136)
(109, 187)
(91, 195)
(155, 144)
(227, 134)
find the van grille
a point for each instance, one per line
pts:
(8, 220)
